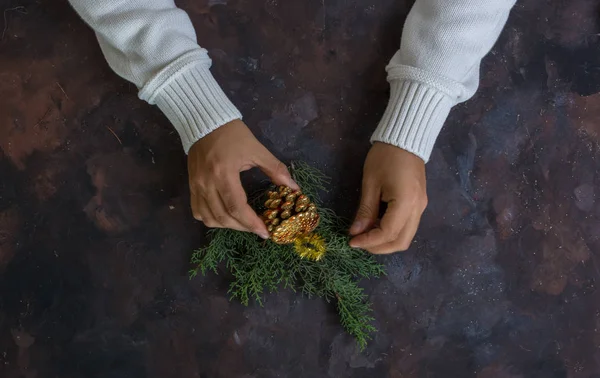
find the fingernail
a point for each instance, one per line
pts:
(263, 234)
(358, 226)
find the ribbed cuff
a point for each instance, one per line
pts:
(414, 117)
(193, 101)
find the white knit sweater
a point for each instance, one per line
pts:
(152, 43)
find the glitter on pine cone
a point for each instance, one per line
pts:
(310, 247)
(289, 215)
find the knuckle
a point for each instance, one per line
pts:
(199, 186)
(195, 182)
(365, 210)
(233, 205)
(215, 169)
(233, 209)
(221, 219)
(403, 243)
(414, 200)
(424, 202)
(403, 246)
(280, 168)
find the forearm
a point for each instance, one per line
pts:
(152, 43)
(437, 67)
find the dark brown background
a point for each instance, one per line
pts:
(95, 231)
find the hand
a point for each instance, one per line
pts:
(214, 165)
(397, 177)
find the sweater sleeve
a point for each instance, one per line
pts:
(152, 43)
(437, 67)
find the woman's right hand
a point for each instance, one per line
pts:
(214, 166)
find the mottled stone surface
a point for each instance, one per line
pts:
(95, 231)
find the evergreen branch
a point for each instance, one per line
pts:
(353, 310)
(258, 265)
(311, 180)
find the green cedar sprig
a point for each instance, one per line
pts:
(258, 265)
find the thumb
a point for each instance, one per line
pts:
(368, 210)
(276, 170)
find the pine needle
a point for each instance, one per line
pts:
(258, 266)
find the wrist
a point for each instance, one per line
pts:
(192, 101)
(414, 117)
(398, 153)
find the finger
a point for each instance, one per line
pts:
(218, 210)
(368, 209)
(235, 200)
(195, 207)
(404, 239)
(275, 169)
(392, 223)
(205, 215)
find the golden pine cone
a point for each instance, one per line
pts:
(289, 215)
